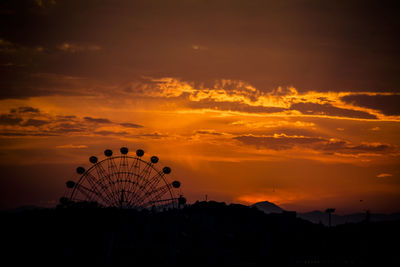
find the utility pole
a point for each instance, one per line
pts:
(330, 211)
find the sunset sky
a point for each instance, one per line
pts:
(294, 102)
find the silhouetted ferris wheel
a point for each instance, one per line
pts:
(124, 181)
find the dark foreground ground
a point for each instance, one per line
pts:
(203, 234)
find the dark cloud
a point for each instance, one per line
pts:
(387, 104)
(153, 135)
(64, 118)
(16, 117)
(328, 109)
(345, 147)
(312, 45)
(57, 125)
(305, 108)
(35, 122)
(284, 142)
(130, 125)
(7, 47)
(68, 127)
(25, 133)
(278, 143)
(25, 110)
(370, 147)
(206, 132)
(233, 106)
(97, 120)
(21, 83)
(108, 133)
(9, 119)
(150, 135)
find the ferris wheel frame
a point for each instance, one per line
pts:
(120, 181)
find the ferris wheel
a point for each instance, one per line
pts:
(124, 181)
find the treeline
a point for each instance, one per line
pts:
(202, 234)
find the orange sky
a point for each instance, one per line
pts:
(247, 108)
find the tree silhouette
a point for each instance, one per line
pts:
(330, 211)
(367, 216)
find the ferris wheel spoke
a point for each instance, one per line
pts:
(133, 172)
(105, 179)
(114, 194)
(138, 171)
(136, 184)
(141, 192)
(102, 187)
(138, 191)
(89, 193)
(146, 172)
(85, 190)
(95, 187)
(101, 172)
(154, 194)
(153, 182)
(120, 174)
(123, 168)
(106, 192)
(142, 177)
(86, 194)
(156, 178)
(135, 167)
(135, 188)
(126, 181)
(113, 176)
(122, 164)
(130, 182)
(150, 184)
(112, 167)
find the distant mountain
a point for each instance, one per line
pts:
(267, 207)
(318, 216)
(322, 217)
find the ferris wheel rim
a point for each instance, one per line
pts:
(119, 156)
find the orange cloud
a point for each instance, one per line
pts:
(383, 175)
(236, 95)
(75, 48)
